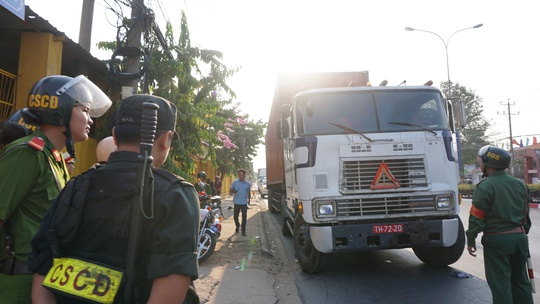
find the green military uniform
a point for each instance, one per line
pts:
(167, 242)
(499, 209)
(206, 188)
(27, 188)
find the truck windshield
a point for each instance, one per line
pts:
(369, 112)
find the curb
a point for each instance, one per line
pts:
(265, 244)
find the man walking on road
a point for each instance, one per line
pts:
(241, 190)
(501, 210)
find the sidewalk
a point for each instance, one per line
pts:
(231, 274)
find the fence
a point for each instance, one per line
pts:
(8, 84)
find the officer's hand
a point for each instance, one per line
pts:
(472, 250)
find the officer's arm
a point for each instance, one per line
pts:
(169, 289)
(477, 214)
(40, 295)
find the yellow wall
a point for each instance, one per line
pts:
(40, 55)
(203, 165)
(86, 156)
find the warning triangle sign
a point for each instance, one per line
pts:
(384, 178)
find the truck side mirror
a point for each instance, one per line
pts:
(461, 115)
(285, 111)
(282, 129)
(450, 113)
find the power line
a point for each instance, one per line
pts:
(524, 94)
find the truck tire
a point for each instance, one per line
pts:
(285, 230)
(310, 259)
(443, 256)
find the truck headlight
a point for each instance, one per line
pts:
(444, 202)
(326, 209)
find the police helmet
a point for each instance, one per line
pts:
(52, 98)
(494, 157)
(14, 128)
(202, 175)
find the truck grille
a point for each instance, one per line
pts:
(386, 206)
(358, 175)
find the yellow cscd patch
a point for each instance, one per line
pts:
(42, 101)
(84, 279)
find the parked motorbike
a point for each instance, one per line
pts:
(210, 201)
(209, 230)
(216, 204)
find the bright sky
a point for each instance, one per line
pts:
(499, 61)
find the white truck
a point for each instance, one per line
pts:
(353, 167)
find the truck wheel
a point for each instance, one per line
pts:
(285, 230)
(309, 258)
(443, 256)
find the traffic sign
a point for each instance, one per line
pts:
(14, 6)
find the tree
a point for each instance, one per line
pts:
(240, 139)
(196, 81)
(473, 136)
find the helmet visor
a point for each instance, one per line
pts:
(483, 151)
(88, 94)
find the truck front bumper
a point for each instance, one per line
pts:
(433, 233)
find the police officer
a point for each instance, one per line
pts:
(217, 185)
(14, 128)
(201, 184)
(32, 170)
(501, 210)
(167, 259)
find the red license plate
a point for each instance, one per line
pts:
(392, 228)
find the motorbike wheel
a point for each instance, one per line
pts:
(206, 246)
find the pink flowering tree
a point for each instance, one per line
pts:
(239, 138)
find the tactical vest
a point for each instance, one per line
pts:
(115, 201)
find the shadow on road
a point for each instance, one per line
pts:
(389, 276)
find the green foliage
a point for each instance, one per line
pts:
(467, 190)
(246, 136)
(195, 80)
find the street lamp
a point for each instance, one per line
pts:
(410, 29)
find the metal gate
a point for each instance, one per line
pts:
(8, 84)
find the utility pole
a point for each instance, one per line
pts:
(134, 40)
(509, 113)
(85, 32)
(244, 151)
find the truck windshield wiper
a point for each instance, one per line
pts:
(412, 125)
(351, 130)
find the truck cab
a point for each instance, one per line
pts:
(369, 168)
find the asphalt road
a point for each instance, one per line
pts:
(398, 276)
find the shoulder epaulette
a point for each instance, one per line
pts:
(481, 181)
(37, 143)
